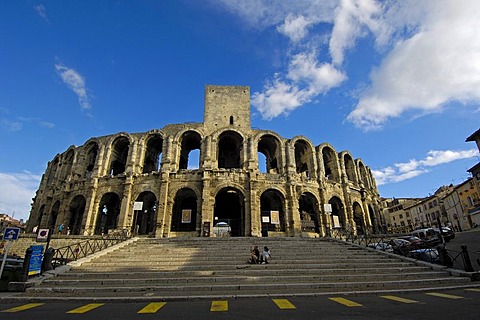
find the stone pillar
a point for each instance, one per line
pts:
(125, 218)
(207, 205)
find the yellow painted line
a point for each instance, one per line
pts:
(23, 307)
(346, 302)
(443, 295)
(219, 306)
(473, 289)
(284, 304)
(86, 308)
(395, 298)
(152, 307)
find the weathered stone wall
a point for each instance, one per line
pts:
(93, 188)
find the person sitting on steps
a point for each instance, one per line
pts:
(265, 255)
(254, 256)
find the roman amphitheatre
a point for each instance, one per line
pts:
(219, 177)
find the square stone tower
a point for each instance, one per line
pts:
(226, 106)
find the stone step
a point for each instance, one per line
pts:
(237, 279)
(247, 270)
(232, 289)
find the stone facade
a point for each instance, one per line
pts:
(146, 182)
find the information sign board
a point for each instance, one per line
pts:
(35, 266)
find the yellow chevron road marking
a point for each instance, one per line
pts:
(152, 307)
(284, 304)
(23, 307)
(219, 306)
(86, 308)
(473, 289)
(395, 298)
(346, 302)
(443, 295)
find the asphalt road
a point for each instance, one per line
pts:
(471, 239)
(453, 304)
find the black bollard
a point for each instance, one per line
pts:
(445, 259)
(26, 265)
(47, 259)
(466, 259)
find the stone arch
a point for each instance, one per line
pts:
(108, 211)
(362, 173)
(270, 147)
(184, 211)
(153, 152)
(230, 208)
(91, 153)
(358, 218)
(41, 212)
(144, 220)
(119, 155)
(349, 167)
(67, 164)
(304, 157)
(191, 141)
(76, 211)
(338, 215)
(230, 147)
(54, 215)
(330, 163)
(373, 218)
(52, 170)
(272, 205)
(309, 212)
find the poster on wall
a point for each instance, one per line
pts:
(186, 215)
(275, 217)
(336, 222)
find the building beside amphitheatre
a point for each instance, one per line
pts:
(217, 178)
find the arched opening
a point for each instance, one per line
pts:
(41, 212)
(67, 165)
(108, 211)
(119, 156)
(152, 162)
(269, 154)
(54, 215)
(191, 141)
(184, 215)
(92, 152)
(230, 209)
(349, 167)
(358, 218)
(373, 219)
(76, 211)
(363, 175)
(330, 164)
(52, 171)
(272, 205)
(309, 212)
(303, 159)
(144, 219)
(230, 145)
(338, 213)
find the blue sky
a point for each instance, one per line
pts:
(395, 82)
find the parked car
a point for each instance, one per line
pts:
(400, 246)
(427, 254)
(383, 246)
(447, 233)
(428, 235)
(416, 242)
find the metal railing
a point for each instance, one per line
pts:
(64, 255)
(431, 253)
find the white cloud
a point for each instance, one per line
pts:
(40, 9)
(294, 27)
(76, 82)
(11, 125)
(16, 193)
(407, 170)
(436, 64)
(306, 79)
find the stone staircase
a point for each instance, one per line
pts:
(170, 269)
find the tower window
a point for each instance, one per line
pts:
(231, 119)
